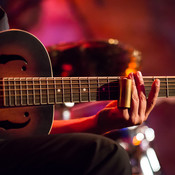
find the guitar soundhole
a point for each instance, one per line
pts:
(23, 68)
(26, 114)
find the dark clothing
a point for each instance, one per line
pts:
(3, 20)
(63, 154)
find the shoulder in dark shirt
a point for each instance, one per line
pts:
(3, 20)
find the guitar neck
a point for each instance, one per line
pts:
(40, 90)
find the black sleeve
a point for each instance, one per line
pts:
(3, 20)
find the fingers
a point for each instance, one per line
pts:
(112, 104)
(141, 95)
(138, 99)
(134, 101)
(140, 105)
(153, 96)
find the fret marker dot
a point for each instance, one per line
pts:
(59, 90)
(103, 89)
(84, 89)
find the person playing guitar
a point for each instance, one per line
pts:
(31, 142)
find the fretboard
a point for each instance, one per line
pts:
(41, 90)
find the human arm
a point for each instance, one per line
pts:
(112, 117)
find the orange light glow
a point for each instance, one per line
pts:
(135, 141)
(129, 70)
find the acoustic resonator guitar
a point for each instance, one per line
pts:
(28, 91)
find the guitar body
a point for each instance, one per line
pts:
(23, 55)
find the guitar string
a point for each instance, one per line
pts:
(24, 83)
(68, 93)
(54, 97)
(72, 80)
(46, 100)
(30, 87)
(80, 78)
(59, 89)
(59, 86)
(65, 88)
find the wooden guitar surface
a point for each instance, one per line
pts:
(33, 61)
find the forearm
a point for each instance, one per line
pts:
(85, 124)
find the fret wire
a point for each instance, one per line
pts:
(37, 91)
(80, 89)
(15, 92)
(167, 91)
(9, 93)
(7, 99)
(44, 90)
(27, 92)
(5, 93)
(89, 95)
(98, 88)
(34, 97)
(71, 90)
(24, 91)
(55, 90)
(109, 95)
(41, 97)
(47, 91)
(63, 90)
(59, 90)
(20, 89)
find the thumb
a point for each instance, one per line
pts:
(112, 104)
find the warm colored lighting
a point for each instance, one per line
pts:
(135, 141)
(136, 53)
(113, 41)
(129, 70)
(66, 115)
(67, 67)
(140, 136)
(69, 104)
(132, 65)
(145, 166)
(153, 159)
(149, 134)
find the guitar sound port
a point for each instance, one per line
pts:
(23, 68)
(26, 114)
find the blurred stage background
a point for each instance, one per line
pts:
(147, 26)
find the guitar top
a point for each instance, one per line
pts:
(23, 55)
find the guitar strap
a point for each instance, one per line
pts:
(3, 20)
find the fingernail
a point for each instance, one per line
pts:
(157, 82)
(139, 74)
(131, 76)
